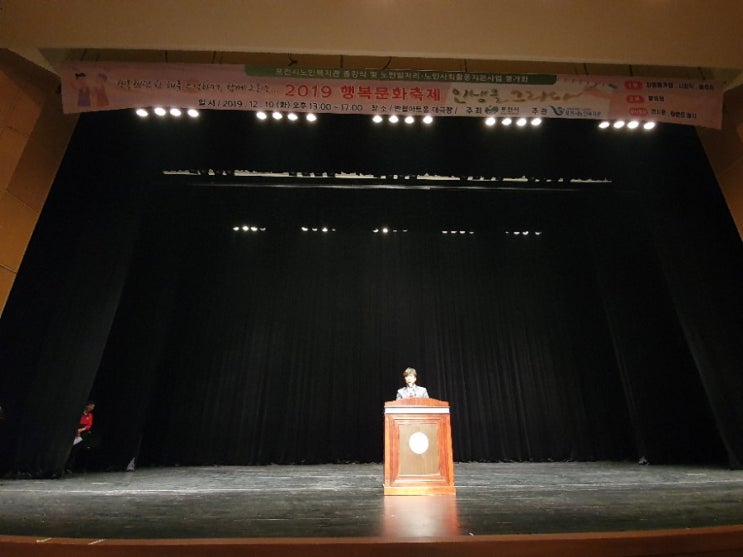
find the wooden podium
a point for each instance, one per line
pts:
(418, 459)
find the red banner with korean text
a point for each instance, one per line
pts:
(94, 86)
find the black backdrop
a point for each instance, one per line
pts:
(613, 334)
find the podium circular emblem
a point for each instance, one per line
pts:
(418, 442)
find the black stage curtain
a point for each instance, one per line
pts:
(613, 334)
(56, 323)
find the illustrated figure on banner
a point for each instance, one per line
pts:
(411, 390)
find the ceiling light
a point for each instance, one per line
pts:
(142, 113)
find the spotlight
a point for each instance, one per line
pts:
(235, 228)
(311, 117)
(536, 122)
(377, 119)
(428, 119)
(261, 115)
(254, 229)
(521, 122)
(277, 115)
(409, 120)
(385, 230)
(619, 124)
(160, 111)
(193, 113)
(245, 228)
(305, 229)
(648, 125)
(175, 112)
(293, 117)
(605, 124)
(633, 124)
(393, 119)
(324, 228)
(142, 113)
(490, 121)
(507, 121)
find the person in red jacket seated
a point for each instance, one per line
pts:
(83, 439)
(86, 420)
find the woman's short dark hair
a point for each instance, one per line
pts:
(410, 371)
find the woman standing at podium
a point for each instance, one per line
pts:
(412, 390)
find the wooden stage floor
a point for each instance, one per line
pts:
(346, 501)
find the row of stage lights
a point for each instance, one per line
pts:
(382, 230)
(523, 233)
(631, 125)
(162, 112)
(394, 118)
(291, 116)
(490, 121)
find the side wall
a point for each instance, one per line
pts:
(33, 138)
(724, 149)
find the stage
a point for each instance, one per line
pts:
(283, 504)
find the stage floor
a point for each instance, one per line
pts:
(347, 501)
